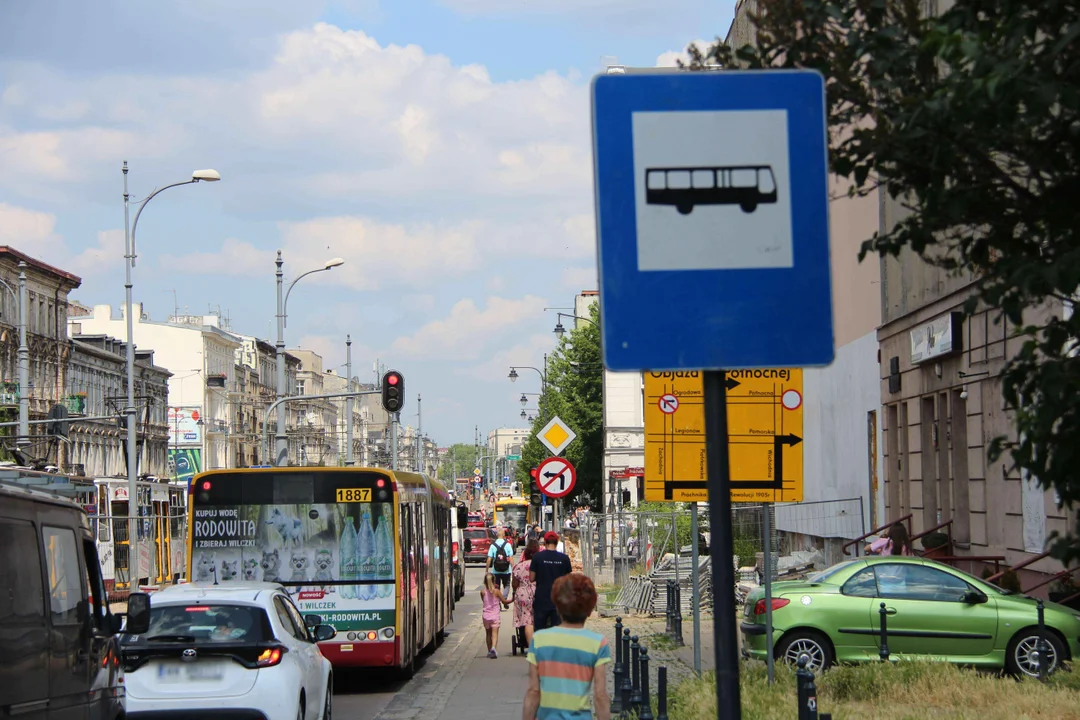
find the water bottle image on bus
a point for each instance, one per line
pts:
(347, 557)
(365, 555)
(384, 551)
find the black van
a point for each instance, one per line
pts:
(59, 658)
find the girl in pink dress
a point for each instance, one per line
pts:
(492, 598)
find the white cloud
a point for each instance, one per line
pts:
(527, 352)
(235, 257)
(468, 330)
(333, 352)
(670, 58)
(106, 255)
(34, 233)
(579, 279)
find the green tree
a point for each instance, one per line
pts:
(573, 392)
(971, 118)
(459, 462)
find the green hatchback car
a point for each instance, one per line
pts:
(934, 611)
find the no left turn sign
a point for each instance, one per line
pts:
(556, 477)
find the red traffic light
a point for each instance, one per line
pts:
(534, 473)
(392, 379)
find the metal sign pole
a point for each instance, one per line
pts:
(721, 546)
(695, 585)
(768, 570)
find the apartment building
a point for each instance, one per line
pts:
(315, 439)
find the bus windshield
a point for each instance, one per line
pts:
(515, 516)
(328, 537)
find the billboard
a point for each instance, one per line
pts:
(311, 547)
(185, 463)
(184, 427)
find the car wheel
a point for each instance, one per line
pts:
(328, 706)
(808, 642)
(1022, 656)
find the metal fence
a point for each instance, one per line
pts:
(161, 542)
(615, 546)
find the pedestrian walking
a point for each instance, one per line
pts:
(498, 560)
(524, 593)
(566, 662)
(545, 568)
(894, 542)
(493, 601)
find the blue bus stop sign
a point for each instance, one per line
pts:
(712, 220)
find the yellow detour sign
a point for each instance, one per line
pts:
(765, 428)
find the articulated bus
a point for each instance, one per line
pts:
(513, 513)
(366, 549)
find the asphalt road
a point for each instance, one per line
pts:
(363, 693)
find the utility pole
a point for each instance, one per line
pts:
(393, 441)
(419, 437)
(349, 461)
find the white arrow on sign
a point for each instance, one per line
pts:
(556, 477)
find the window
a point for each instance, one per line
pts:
(65, 577)
(299, 387)
(861, 584)
(298, 620)
(918, 582)
(281, 605)
(213, 623)
(21, 600)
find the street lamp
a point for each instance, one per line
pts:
(513, 375)
(129, 411)
(560, 330)
(281, 438)
(24, 357)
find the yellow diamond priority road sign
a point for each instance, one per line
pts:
(556, 435)
(765, 429)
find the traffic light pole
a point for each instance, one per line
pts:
(395, 419)
(299, 398)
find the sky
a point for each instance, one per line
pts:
(440, 147)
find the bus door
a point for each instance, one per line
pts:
(408, 584)
(161, 541)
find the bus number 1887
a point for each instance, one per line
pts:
(354, 495)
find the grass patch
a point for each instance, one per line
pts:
(898, 691)
(659, 641)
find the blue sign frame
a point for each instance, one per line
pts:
(713, 319)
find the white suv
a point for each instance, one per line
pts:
(240, 651)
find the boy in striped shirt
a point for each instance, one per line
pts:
(566, 661)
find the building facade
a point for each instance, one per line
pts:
(842, 458)
(314, 437)
(47, 290)
(97, 386)
(255, 392)
(201, 355)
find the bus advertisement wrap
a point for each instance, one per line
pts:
(319, 551)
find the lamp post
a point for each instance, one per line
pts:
(129, 411)
(281, 450)
(560, 330)
(24, 357)
(349, 461)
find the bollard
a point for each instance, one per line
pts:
(667, 610)
(617, 670)
(677, 619)
(807, 692)
(1042, 647)
(661, 693)
(635, 675)
(646, 702)
(884, 651)
(626, 684)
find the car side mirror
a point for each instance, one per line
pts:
(975, 597)
(468, 545)
(323, 632)
(138, 613)
(462, 517)
(312, 621)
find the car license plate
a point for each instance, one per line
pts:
(169, 673)
(206, 672)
